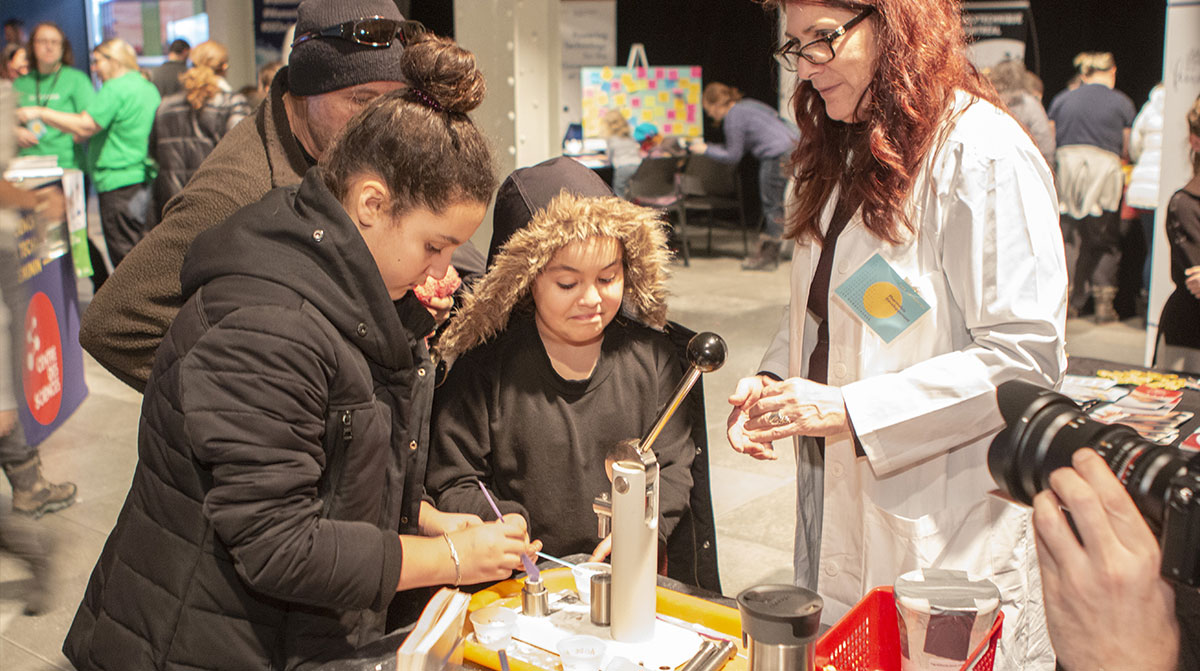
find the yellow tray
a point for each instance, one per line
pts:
(688, 608)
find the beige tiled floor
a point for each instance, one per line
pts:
(753, 500)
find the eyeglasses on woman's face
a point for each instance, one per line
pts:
(819, 51)
(374, 31)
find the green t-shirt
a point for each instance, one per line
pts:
(124, 109)
(65, 90)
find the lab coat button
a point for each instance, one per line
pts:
(836, 469)
(843, 267)
(831, 569)
(839, 371)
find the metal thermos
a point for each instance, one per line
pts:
(601, 598)
(779, 627)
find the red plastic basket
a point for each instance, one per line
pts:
(868, 638)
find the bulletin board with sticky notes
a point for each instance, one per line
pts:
(667, 96)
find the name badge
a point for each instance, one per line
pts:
(882, 299)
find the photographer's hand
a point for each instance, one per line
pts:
(1106, 606)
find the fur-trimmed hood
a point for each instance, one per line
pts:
(529, 247)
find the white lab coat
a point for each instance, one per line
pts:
(987, 256)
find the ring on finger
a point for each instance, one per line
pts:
(777, 418)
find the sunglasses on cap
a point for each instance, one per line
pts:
(373, 31)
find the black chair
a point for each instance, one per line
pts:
(710, 186)
(692, 547)
(653, 185)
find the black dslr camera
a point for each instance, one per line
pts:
(1044, 428)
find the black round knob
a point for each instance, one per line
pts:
(706, 351)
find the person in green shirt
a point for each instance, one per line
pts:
(51, 83)
(118, 121)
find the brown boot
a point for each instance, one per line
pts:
(767, 256)
(1102, 299)
(33, 495)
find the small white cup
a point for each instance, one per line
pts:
(583, 577)
(581, 653)
(494, 626)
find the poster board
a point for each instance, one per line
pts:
(667, 96)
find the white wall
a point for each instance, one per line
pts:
(1181, 78)
(517, 46)
(231, 22)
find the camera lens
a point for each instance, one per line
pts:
(1044, 428)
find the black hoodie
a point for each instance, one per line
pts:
(283, 442)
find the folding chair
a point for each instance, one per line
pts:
(653, 185)
(710, 186)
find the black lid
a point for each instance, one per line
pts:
(780, 614)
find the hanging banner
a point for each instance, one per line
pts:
(273, 19)
(998, 31)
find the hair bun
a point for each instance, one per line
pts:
(445, 72)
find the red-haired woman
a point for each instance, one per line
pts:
(928, 269)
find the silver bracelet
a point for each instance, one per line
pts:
(454, 556)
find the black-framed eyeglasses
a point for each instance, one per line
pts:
(373, 31)
(820, 50)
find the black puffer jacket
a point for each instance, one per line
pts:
(183, 137)
(282, 443)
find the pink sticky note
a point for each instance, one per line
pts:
(668, 128)
(616, 86)
(636, 102)
(641, 72)
(696, 71)
(691, 115)
(653, 83)
(658, 73)
(671, 114)
(673, 74)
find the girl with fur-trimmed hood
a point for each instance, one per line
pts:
(558, 354)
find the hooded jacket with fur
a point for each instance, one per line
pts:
(506, 418)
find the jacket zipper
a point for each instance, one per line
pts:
(338, 458)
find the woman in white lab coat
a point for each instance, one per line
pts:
(947, 278)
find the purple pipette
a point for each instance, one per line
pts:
(531, 569)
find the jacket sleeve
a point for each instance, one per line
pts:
(1183, 229)
(254, 393)
(673, 448)
(735, 138)
(1002, 256)
(775, 360)
(130, 314)
(460, 443)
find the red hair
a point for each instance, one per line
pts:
(921, 62)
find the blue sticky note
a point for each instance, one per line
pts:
(882, 299)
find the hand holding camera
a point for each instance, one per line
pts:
(1106, 606)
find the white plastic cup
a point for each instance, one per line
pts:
(494, 626)
(583, 577)
(581, 653)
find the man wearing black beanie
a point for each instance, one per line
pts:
(345, 53)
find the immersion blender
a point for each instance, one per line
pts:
(632, 512)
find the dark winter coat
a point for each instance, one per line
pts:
(184, 136)
(282, 444)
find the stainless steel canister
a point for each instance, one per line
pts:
(601, 598)
(779, 627)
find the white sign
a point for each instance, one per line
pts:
(588, 29)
